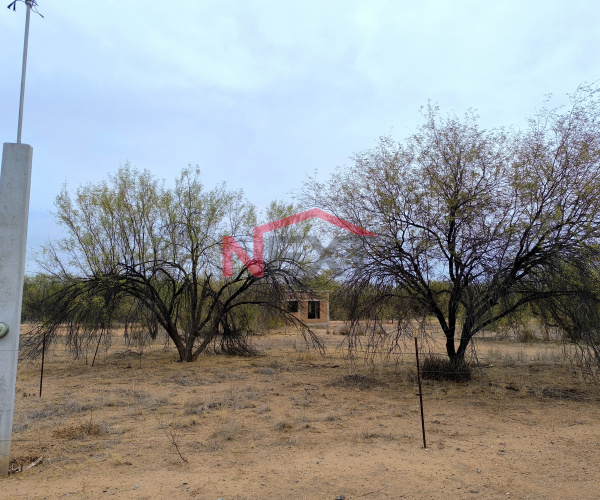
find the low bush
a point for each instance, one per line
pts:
(438, 368)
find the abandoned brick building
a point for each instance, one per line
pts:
(311, 307)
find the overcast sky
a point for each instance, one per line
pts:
(262, 93)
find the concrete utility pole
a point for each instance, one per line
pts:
(15, 183)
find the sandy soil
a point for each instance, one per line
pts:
(293, 424)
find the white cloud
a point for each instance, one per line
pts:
(261, 92)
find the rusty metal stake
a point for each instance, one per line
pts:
(97, 347)
(42, 370)
(420, 390)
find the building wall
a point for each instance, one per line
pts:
(303, 299)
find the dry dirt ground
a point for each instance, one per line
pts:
(291, 423)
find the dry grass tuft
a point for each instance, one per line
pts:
(68, 407)
(369, 435)
(238, 398)
(228, 430)
(195, 408)
(139, 399)
(262, 409)
(556, 393)
(266, 371)
(284, 425)
(229, 375)
(185, 379)
(214, 445)
(80, 432)
(358, 381)
(235, 398)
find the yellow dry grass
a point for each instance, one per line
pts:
(291, 422)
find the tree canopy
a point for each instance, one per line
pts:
(150, 256)
(471, 222)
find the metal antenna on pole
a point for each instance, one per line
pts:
(31, 4)
(23, 73)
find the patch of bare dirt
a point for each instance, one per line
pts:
(293, 424)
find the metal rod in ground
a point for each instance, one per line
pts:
(42, 370)
(97, 347)
(420, 390)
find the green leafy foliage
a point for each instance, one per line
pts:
(150, 257)
(471, 222)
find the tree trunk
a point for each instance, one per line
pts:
(456, 356)
(462, 348)
(450, 348)
(188, 354)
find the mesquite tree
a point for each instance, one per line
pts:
(471, 222)
(149, 256)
